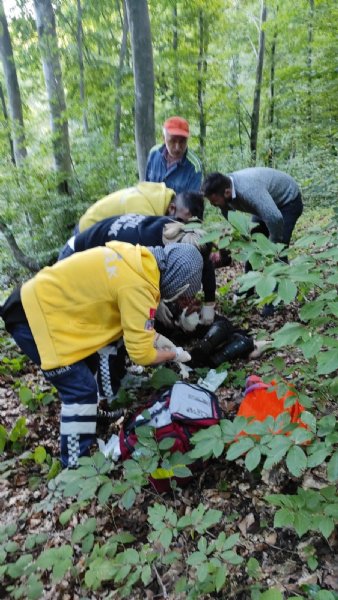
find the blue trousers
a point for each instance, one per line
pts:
(78, 393)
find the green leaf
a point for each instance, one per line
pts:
(327, 362)
(146, 575)
(238, 448)
(220, 578)
(288, 334)
(326, 526)
(266, 286)
(253, 458)
(296, 461)
(104, 493)
(166, 443)
(272, 594)
(317, 458)
(163, 377)
(287, 290)
(332, 467)
(240, 221)
(302, 523)
(311, 310)
(283, 518)
(128, 498)
(166, 537)
(40, 455)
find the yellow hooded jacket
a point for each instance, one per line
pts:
(146, 198)
(93, 298)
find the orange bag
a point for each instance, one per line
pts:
(260, 403)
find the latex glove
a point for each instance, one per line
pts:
(188, 322)
(182, 356)
(164, 314)
(163, 343)
(207, 314)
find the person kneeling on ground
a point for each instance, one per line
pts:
(66, 313)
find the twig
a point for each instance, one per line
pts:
(160, 582)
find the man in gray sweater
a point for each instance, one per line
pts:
(271, 196)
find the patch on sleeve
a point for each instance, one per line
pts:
(149, 324)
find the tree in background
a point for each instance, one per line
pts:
(13, 90)
(140, 33)
(45, 22)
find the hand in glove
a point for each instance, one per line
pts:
(182, 356)
(188, 322)
(163, 343)
(207, 314)
(164, 314)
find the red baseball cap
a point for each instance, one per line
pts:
(177, 126)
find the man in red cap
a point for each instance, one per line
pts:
(172, 162)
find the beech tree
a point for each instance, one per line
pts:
(45, 22)
(13, 90)
(139, 26)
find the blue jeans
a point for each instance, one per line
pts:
(78, 393)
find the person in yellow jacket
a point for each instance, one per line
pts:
(66, 313)
(145, 198)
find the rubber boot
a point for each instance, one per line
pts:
(240, 346)
(218, 334)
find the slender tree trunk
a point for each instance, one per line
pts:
(139, 25)
(272, 98)
(79, 41)
(258, 85)
(45, 21)
(5, 113)
(27, 262)
(13, 90)
(176, 65)
(202, 69)
(309, 76)
(119, 74)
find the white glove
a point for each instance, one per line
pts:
(207, 314)
(182, 356)
(164, 314)
(188, 322)
(162, 343)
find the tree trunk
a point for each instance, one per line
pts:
(271, 151)
(79, 41)
(13, 90)
(4, 110)
(257, 91)
(202, 69)
(119, 74)
(22, 259)
(309, 76)
(139, 25)
(45, 21)
(176, 65)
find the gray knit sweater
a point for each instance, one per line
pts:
(262, 192)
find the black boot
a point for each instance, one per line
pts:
(218, 334)
(240, 346)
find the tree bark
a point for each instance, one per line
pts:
(139, 25)
(176, 65)
(79, 41)
(5, 113)
(309, 76)
(45, 21)
(122, 57)
(202, 69)
(27, 262)
(271, 117)
(258, 85)
(13, 90)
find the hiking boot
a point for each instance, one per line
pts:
(239, 347)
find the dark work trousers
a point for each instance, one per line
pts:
(78, 393)
(291, 213)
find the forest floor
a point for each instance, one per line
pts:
(223, 485)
